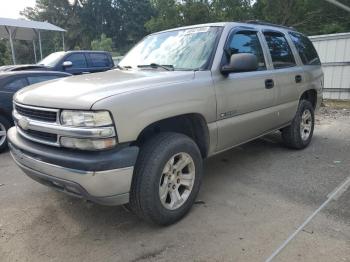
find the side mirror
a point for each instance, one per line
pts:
(67, 64)
(243, 62)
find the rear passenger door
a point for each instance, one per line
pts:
(99, 62)
(287, 74)
(312, 71)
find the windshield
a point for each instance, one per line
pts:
(52, 59)
(186, 49)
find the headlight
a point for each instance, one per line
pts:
(85, 118)
(88, 143)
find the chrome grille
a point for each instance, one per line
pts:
(41, 135)
(37, 114)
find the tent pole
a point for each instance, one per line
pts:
(63, 42)
(11, 44)
(34, 48)
(40, 48)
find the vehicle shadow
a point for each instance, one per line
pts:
(70, 224)
(217, 170)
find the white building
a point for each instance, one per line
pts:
(334, 52)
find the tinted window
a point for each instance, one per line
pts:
(78, 60)
(37, 79)
(17, 84)
(99, 60)
(281, 53)
(247, 42)
(306, 49)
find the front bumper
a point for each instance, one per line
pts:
(101, 177)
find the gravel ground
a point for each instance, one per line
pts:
(253, 197)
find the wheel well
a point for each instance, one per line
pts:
(192, 125)
(311, 96)
(7, 116)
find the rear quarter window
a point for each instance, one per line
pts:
(306, 49)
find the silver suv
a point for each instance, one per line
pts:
(138, 134)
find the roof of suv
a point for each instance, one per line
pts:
(252, 24)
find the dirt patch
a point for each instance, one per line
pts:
(336, 104)
(332, 111)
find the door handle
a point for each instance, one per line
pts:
(269, 83)
(298, 79)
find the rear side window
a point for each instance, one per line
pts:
(15, 85)
(280, 51)
(78, 61)
(247, 42)
(99, 60)
(306, 49)
(37, 79)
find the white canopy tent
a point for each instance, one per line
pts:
(26, 30)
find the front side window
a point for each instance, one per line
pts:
(184, 49)
(306, 49)
(78, 61)
(281, 54)
(247, 42)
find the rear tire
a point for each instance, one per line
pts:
(299, 134)
(167, 178)
(4, 127)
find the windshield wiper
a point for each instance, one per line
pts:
(123, 67)
(154, 65)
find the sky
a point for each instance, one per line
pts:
(11, 8)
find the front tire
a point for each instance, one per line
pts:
(4, 126)
(167, 178)
(299, 134)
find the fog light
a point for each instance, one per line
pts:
(87, 143)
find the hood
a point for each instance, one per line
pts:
(20, 67)
(81, 92)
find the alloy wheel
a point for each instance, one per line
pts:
(2, 134)
(177, 181)
(306, 125)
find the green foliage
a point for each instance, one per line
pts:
(121, 23)
(167, 15)
(5, 56)
(84, 20)
(102, 44)
(172, 13)
(308, 16)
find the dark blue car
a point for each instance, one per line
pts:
(73, 62)
(10, 83)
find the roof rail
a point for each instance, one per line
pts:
(259, 22)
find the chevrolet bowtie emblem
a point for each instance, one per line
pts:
(23, 123)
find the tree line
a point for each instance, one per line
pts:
(116, 25)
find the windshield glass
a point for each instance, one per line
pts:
(52, 59)
(187, 49)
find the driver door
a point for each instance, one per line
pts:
(245, 100)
